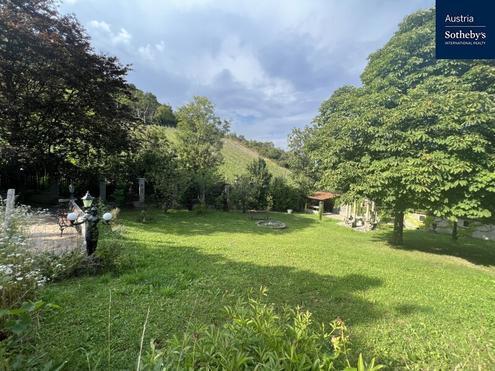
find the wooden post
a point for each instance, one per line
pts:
(321, 206)
(9, 207)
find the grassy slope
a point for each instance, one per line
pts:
(430, 309)
(237, 157)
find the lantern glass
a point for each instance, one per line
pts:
(87, 200)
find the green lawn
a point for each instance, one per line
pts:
(430, 304)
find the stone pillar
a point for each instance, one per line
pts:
(321, 209)
(9, 207)
(141, 190)
(103, 190)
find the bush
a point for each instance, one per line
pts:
(257, 337)
(19, 275)
(200, 209)
(283, 196)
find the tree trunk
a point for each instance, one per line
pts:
(454, 230)
(397, 236)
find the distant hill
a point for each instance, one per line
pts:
(236, 158)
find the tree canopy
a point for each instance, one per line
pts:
(419, 133)
(200, 133)
(61, 104)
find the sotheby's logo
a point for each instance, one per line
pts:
(465, 29)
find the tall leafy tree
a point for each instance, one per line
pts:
(143, 105)
(156, 160)
(419, 133)
(60, 103)
(164, 116)
(260, 181)
(200, 132)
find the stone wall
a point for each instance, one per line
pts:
(465, 227)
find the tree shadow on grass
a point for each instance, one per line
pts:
(475, 251)
(326, 296)
(183, 284)
(189, 224)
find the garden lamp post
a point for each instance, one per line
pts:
(90, 219)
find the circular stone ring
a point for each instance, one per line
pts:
(272, 224)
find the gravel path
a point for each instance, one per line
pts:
(44, 235)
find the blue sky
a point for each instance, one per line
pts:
(266, 65)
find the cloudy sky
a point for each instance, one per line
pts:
(266, 64)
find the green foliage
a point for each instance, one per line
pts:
(200, 209)
(242, 193)
(57, 266)
(303, 169)
(259, 178)
(164, 116)
(257, 336)
(158, 162)
(236, 158)
(285, 196)
(199, 138)
(119, 194)
(397, 302)
(147, 110)
(265, 149)
(62, 104)
(19, 326)
(143, 105)
(418, 134)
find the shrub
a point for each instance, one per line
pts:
(242, 195)
(200, 209)
(18, 327)
(55, 266)
(256, 336)
(19, 275)
(284, 196)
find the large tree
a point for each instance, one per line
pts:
(60, 103)
(260, 179)
(143, 105)
(419, 133)
(164, 116)
(200, 132)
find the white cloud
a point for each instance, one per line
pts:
(100, 25)
(121, 37)
(267, 65)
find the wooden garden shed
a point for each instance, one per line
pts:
(318, 200)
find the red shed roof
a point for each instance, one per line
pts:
(322, 196)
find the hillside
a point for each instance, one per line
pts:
(237, 157)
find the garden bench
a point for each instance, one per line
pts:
(65, 206)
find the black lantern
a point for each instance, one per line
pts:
(87, 200)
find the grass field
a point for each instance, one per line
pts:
(429, 304)
(236, 158)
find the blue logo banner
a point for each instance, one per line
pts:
(465, 29)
